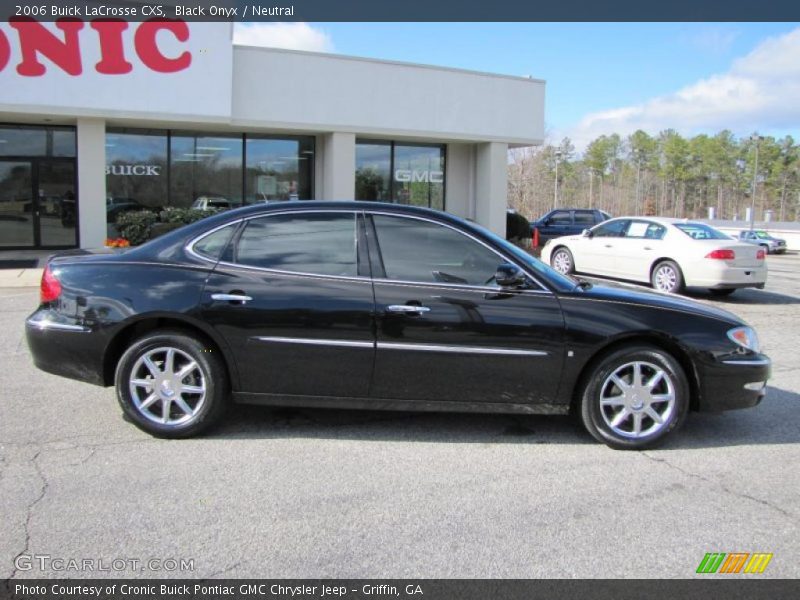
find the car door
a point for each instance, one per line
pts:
(639, 248)
(557, 224)
(597, 253)
(294, 302)
(445, 331)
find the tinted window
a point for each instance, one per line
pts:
(613, 229)
(585, 217)
(700, 231)
(559, 217)
(415, 250)
(323, 243)
(214, 243)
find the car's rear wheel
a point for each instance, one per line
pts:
(171, 384)
(634, 397)
(562, 261)
(667, 277)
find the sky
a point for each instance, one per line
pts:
(602, 78)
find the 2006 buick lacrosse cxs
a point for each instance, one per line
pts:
(378, 306)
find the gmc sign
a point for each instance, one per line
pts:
(36, 41)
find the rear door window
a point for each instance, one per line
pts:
(316, 243)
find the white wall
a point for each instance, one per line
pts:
(91, 138)
(491, 186)
(322, 92)
(460, 180)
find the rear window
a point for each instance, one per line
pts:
(585, 217)
(700, 231)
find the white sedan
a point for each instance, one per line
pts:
(670, 254)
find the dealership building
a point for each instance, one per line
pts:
(100, 118)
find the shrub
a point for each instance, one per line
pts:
(184, 216)
(135, 226)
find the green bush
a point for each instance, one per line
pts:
(184, 216)
(135, 226)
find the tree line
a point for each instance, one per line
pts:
(666, 175)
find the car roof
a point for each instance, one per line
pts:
(660, 220)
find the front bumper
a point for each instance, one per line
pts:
(733, 382)
(64, 347)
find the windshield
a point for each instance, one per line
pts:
(561, 282)
(701, 231)
(763, 235)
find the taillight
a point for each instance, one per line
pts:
(50, 289)
(761, 254)
(722, 254)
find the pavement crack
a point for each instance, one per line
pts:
(216, 574)
(722, 486)
(30, 510)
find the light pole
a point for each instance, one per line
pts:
(755, 138)
(555, 187)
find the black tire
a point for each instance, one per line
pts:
(720, 292)
(563, 257)
(599, 419)
(667, 277)
(208, 374)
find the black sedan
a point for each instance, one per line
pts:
(378, 306)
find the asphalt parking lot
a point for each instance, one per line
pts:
(315, 493)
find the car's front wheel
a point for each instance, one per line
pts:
(634, 397)
(171, 384)
(562, 261)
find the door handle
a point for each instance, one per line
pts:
(647, 248)
(407, 309)
(609, 246)
(231, 297)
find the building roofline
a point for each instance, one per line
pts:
(382, 61)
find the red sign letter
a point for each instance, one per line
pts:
(112, 53)
(5, 51)
(35, 38)
(147, 49)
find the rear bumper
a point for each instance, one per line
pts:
(726, 277)
(733, 383)
(64, 347)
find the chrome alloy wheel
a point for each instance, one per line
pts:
(167, 386)
(562, 262)
(637, 399)
(666, 278)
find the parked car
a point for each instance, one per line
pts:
(670, 254)
(379, 306)
(213, 203)
(567, 221)
(761, 238)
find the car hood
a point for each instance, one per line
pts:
(658, 300)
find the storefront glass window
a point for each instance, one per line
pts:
(373, 171)
(278, 169)
(28, 141)
(401, 173)
(136, 172)
(419, 176)
(205, 170)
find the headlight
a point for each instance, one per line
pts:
(745, 337)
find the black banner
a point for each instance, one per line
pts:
(407, 10)
(739, 587)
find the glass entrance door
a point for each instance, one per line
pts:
(38, 204)
(57, 213)
(16, 204)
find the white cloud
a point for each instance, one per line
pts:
(760, 92)
(292, 36)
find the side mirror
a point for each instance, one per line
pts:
(587, 233)
(508, 275)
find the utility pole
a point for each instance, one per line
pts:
(557, 154)
(756, 138)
